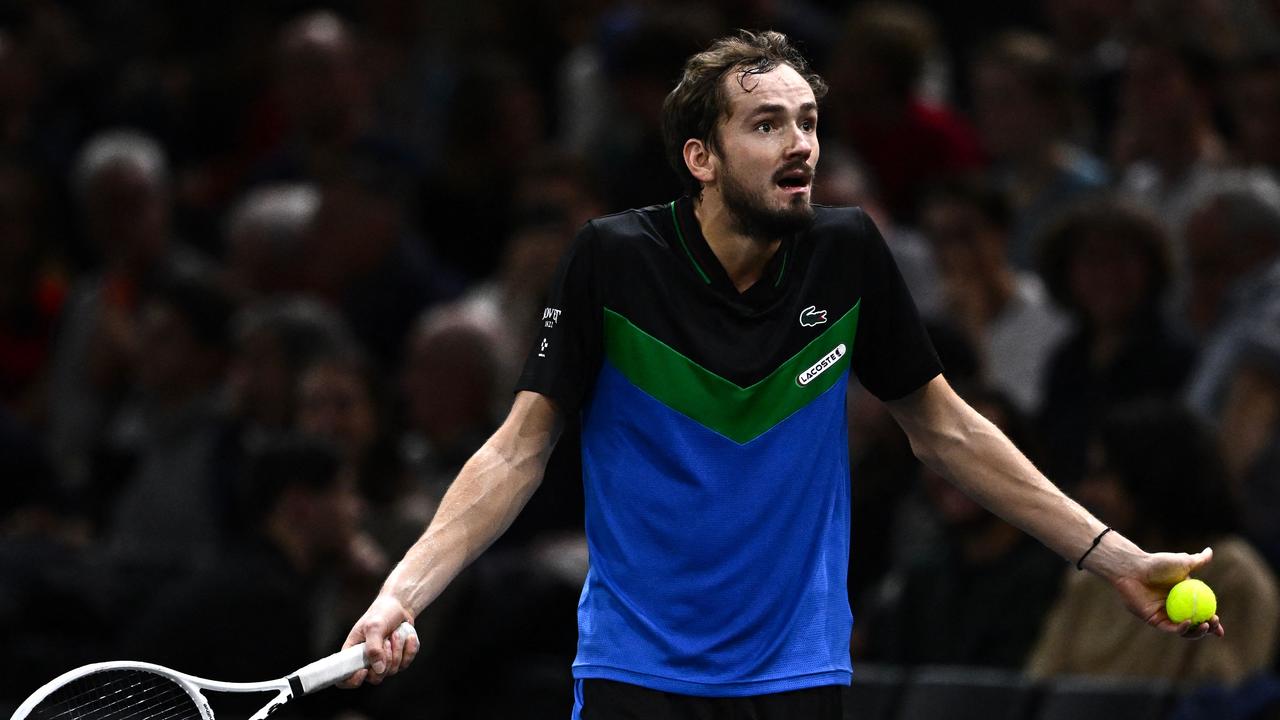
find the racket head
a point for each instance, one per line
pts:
(116, 691)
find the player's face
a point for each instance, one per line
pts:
(769, 149)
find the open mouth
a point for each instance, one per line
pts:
(795, 180)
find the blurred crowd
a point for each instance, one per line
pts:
(268, 272)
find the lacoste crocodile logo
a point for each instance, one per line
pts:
(812, 316)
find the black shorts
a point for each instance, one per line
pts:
(609, 700)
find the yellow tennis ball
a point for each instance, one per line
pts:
(1191, 600)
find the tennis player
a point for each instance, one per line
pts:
(707, 344)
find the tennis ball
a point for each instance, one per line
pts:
(1191, 600)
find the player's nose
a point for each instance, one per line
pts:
(800, 144)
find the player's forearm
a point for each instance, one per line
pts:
(955, 441)
(480, 505)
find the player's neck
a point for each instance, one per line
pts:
(743, 257)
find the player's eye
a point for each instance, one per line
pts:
(808, 125)
(765, 127)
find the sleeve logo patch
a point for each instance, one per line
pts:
(812, 316)
(823, 365)
(550, 316)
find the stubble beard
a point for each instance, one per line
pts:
(755, 219)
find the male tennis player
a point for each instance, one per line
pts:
(706, 345)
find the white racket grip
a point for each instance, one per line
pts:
(327, 671)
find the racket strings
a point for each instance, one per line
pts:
(118, 695)
(101, 696)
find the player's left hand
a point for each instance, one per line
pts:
(1146, 586)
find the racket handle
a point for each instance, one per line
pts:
(327, 671)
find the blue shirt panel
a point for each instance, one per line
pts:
(717, 569)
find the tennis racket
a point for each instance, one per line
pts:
(142, 691)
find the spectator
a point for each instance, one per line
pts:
(1108, 264)
(449, 383)
(1005, 312)
(1232, 236)
(1233, 241)
(1023, 107)
(877, 111)
(275, 341)
(364, 256)
(121, 182)
(325, 99)
(265, 235)
(982, 569)
(340, 402)
(1156, 476)
(1091, 37)
(1167, 146)
(1249, 425)
(167, 507)
(554, 186)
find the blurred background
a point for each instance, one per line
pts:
(268, 272)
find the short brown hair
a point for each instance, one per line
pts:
(699, 100)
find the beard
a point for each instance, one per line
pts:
(753, 216)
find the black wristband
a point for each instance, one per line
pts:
(1080, 563)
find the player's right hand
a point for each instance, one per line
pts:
(385, 652)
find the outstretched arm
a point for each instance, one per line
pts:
(961, 445)
(481, 504)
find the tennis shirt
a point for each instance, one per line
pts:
(714, 444)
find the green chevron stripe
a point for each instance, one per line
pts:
(740, 414)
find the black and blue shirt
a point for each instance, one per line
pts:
(714, 442)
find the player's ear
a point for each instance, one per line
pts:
(700, 160)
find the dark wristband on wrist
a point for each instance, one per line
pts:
(1080, 563)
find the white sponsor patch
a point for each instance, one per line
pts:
(821, 366)
(550, 316)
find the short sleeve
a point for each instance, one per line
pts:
(566, 354)
(892, 353)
